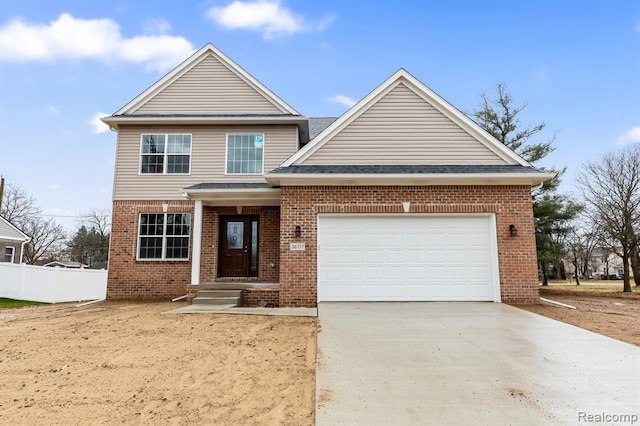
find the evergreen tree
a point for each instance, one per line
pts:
(552, 212)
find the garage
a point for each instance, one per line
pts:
(407, 258)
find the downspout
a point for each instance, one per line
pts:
(22, 250)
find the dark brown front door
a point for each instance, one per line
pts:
(238, 246)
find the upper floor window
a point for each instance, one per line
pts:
(165, 154)
(164, 236)
(245, 154)
(9, 252)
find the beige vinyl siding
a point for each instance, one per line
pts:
(208, 148)
(8, 231)
(208, 88)
(402, 128)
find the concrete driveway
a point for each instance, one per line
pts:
(468, 363)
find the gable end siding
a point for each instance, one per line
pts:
(9, 232)
(402, 128)
(209, 88)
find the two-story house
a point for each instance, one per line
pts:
(402, 198)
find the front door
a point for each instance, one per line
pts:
(238, 246)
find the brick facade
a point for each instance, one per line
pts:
(260, 298)
(130, 278)
(296, 271)
(142, 279)
(300, 205)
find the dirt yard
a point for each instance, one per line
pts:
(603, 309)
(125, 363)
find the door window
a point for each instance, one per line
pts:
(235, 235)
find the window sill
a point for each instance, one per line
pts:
(162, 260)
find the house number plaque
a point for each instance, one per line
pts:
(297, 246)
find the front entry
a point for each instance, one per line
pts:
(238, 255)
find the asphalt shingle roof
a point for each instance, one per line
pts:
(204, 115)
(318, 124)
(228, 185)
(406, 169)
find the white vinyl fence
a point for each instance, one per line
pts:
(51, 285)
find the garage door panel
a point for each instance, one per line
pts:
(375, 291)
(414, 273)
(406, 258)
(333, 275)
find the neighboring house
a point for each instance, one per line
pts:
(609, 265)
(603, 264)
(402, 198)
(12, 241)
(65, 264)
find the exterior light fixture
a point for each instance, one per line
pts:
(297, 231)
(513, 230)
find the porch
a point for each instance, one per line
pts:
(236, 243)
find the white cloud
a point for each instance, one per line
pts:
(344, 100)
(98, 39)
(156, 26)
(97, 124)
(630, 136)
(266, 16)
(53, 110)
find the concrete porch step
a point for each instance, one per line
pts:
(218, 297)
(232, 286)
(219, 293)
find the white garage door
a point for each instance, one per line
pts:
(407, 258)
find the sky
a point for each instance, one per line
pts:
(576, 63)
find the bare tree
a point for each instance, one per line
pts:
(90, 243)
(20, 209)
(98, 220)
(635, 260)
(611, 188)
(588, 245)
(46, 235)
(583, 244)
(574, 250)
(18, 206)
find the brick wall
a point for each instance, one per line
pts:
(134, 279)
(260, 298)
(147, 279)
(511, 205)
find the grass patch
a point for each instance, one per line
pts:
(12, 303)
(589, 288)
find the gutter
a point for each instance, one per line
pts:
(277, 179)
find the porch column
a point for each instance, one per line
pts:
(197, 242)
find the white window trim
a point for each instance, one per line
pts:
(164, 241)
(165, 162)
(226, 153)
(13, 253)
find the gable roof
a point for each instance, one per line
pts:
(432, 169)
(402, 77)
(65, 264)
(412, 174)
(200, 55)
(318, 124)
(10, 232)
